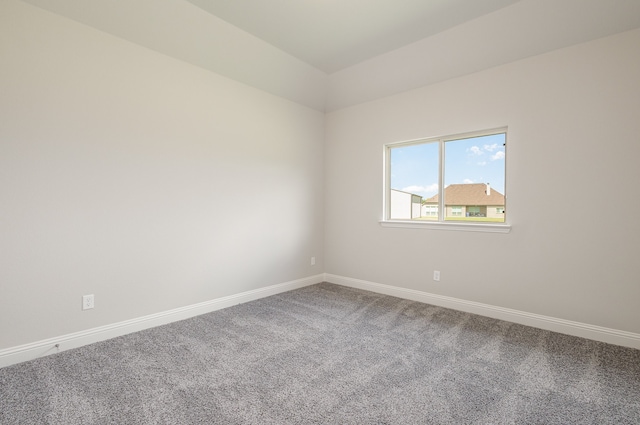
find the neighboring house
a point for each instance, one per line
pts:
(467, 200)
(405, 205)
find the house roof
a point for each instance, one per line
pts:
(469, 194)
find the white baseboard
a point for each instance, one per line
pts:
(596, 333)
(45, 347)
(14, 355)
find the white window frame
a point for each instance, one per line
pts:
(386, 221)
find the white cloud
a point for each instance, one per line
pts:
(498, 155)
(476, 150)
(467, 181)
(432, 188)
(482, 163)
(491, 148)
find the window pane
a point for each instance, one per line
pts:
(413, 180)
(474, 178)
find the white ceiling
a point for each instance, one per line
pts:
(334, 34)
(330, 54)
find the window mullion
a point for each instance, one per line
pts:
(441, 210)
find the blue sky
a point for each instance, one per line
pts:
(414, 168)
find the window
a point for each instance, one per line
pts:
(475, 212)
(430, 211)
(461, 175)
(456, 212)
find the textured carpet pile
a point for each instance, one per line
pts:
(327, 354)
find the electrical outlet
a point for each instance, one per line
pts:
(87, 302)
(313, 261)
(436, 275)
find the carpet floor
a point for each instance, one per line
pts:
(326, 354)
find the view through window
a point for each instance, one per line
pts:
(455, 178)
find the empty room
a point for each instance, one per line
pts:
(319, 212)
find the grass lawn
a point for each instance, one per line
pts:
(472, 219)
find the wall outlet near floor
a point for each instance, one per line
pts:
(313, 261)
(436, 275)
(87, 302)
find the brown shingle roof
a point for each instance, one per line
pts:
(469, 194)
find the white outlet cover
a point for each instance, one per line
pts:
(87, 302)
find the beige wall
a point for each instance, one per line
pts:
(491, 211)
(148, 182)
(573, 134)
(127, 174)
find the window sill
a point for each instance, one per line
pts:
(464, 227)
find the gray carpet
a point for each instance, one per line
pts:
(327, 354)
